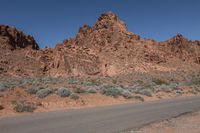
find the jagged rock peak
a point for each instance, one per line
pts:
(178, 39)
(16, 38)
(110, 20)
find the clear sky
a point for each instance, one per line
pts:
(52, 21)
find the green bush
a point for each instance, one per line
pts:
(44, 92)
(111, 91)
(164, 88)
(63, 92)
(179, 92)
(139, 98)
(24, 107)
(196, 88)
(73, 81)
(160, 82)
(90, 82)
(126, 94)
(146, 92)
(34, 90)
(3, 87)
(79, 90)
(91, 90)
(74, 96)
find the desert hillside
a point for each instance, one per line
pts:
(104, 64)
(105, 49)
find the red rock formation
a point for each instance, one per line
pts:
(105, 49)
(16, 38)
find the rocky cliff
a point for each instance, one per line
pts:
(105, 49)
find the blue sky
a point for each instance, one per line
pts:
(52, 21)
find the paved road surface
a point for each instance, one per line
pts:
(110, 119)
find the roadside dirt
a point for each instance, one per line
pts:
(188, 123)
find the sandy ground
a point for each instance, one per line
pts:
(188, 123)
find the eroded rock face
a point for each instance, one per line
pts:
(16, 39)
(105, 49)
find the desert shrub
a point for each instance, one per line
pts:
(196, 88)
(91, 90)
(163, 87)
(73, 81)
(194, 81)
(166, 88)
(193, 91)
(24, 107)
(44, 92)
(160, 82)
(3, 87)
(63, 92)
(79, 90)
(179, 92)
(126, 94)
(173, 85)
(146, 92)
(159, 95)
(111, 91)
(34, 90)
(135, 89)
(139, 98)
(90, 82)
(74, 96)
(114, 81)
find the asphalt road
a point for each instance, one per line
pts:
(109, 119)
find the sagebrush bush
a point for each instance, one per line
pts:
(24, 107)
(90, 82)
(179, 92)
(79, 90)
(139, 98)
(126, 94)
(146, 92)
(73, 81)
(3, 87)
(159, 82)
(196, 88)
(63, 92)
(44, 92)
(74, 96)
(34, 90)
(111, 91)
(164, 88)
(91, 90)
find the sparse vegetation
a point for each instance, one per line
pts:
(34, 90)
(127, 94)
(111, 91)
(79, 90)
(2, 87)
(90, 82)
(74, 96)
(160, 82)
(146, 92)
(139, 98)
(196, 88)
(91, 90)
(73, 81)
(44, 92)
(179, 92)
(63, 92)
(23, 106)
